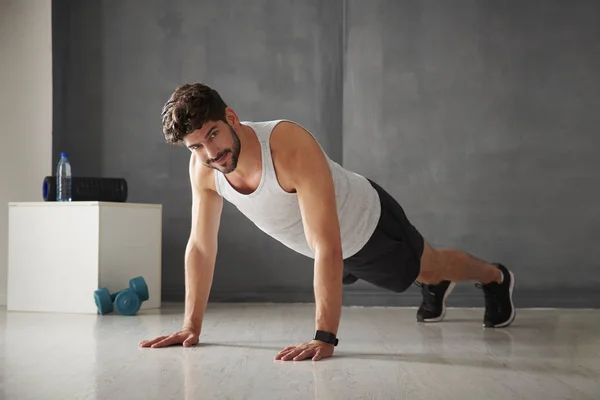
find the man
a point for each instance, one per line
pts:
(277, 174)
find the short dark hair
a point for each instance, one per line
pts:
(189, 108)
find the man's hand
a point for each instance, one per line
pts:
(186, 336)
(315, 349)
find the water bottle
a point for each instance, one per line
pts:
(63, 179)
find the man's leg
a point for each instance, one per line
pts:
(455, 266)
(397, 255)
(441, 269)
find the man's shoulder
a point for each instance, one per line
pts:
(201, 178)
(289, 137)
(293, 148)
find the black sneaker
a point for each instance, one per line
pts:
(499, 308)
(433, 307)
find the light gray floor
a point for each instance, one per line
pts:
(383, 354)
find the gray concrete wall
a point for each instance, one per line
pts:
(480, 117)
(120, 61)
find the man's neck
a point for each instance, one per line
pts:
(250, 159)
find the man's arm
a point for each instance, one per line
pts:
(201, 249)
(200, 256)
(305, 168)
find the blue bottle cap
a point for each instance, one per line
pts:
(63, 154)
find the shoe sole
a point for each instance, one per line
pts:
(512, 306)
(443, 314)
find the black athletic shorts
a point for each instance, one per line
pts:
(391, 258)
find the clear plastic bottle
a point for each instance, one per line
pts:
(63, 179)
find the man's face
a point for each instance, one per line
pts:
(217, 144)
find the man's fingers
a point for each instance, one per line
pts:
(317, 355)
(292, 354)
(282, 354)
(301, 352)
(190, 341)
(185, 337)
(304, 354)
(287, 349)
(168, 341)
(148, 343)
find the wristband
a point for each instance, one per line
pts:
(326, 337)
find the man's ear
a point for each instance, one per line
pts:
(231, 117)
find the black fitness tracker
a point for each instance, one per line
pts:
(326, 337)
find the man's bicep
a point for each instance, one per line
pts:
(319, 215)
(206, 218)
(207, 207)
(315, 187)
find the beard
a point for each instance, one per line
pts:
(235, 150)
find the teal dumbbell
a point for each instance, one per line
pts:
(126, 302)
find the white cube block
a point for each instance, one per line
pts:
(60, 253)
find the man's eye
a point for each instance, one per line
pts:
(213, 134)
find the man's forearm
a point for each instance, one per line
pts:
(328, 290)
(199, 270)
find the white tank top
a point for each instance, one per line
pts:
(277, 213)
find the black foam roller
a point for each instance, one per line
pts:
(89, 189)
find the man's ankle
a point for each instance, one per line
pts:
(497, 277)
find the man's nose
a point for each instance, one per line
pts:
(212, 152)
